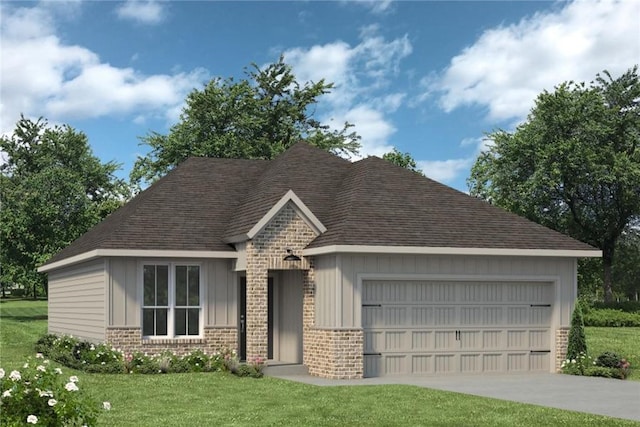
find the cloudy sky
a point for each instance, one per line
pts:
(429, 78)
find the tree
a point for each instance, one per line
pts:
(626, 267)
(52, 190)
(255, 118)
(573, 165)
(577, 342)
(404, 160)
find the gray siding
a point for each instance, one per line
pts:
(220, 307)
(77, 300)
(342, 289)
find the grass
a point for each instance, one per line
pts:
(218, 398)
(625, 342)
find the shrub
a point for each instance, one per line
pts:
(626, 306)
(607, 317)
(577, 344)
(618, 366)
(577, 365)
(40, 394)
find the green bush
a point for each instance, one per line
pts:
(626, 306)
(577, 344)
(607, 317)
(39, 394)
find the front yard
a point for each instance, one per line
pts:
(222, 399)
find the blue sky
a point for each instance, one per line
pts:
(429, 78)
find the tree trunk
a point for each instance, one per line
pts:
(607, 262)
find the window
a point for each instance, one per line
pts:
(171, 300)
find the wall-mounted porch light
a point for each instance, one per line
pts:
(290, 256)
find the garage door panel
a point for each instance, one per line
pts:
(444, 316)
(395, 341)
(421, 340)
(438, 327)
(421, 316)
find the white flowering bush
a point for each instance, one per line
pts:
(608, 365)
(41, 395)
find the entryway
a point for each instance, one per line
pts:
(284, 317)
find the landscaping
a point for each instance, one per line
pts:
(210, 398)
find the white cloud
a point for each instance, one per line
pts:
(377, 7)
(508, 66)
(144, 12)
(361, 73)
(41, 75)
(444, 170)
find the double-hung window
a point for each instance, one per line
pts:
(172, 300)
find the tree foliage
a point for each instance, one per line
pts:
(404, 160)
(577, 342)
(574, 165)
(255, 118)
(52, 190)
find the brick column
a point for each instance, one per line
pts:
(308, 311)
(257, 303)
(562, 342)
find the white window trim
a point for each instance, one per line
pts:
(172, 298)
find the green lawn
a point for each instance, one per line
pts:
(624, 341)
(221, 399)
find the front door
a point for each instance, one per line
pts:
(242, 319)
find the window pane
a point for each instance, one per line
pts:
(161, 321)
(147, 321)
(162, 285)
(181, 321)
(181, 285)
(194, 285)
(194, 321)
(149, 282)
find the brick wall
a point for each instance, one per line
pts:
(562, 342)
(334, 353)
(267, 251)
(214, 339)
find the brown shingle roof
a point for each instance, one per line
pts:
(369, 202)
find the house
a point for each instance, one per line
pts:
(352, 269)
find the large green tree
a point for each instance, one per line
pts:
(573, 165)
(404, 160)
(255, 118)
(52, 189)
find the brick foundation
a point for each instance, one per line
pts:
(130, 340)
(562, 341)
(334, 353)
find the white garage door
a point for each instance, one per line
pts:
(444, 327)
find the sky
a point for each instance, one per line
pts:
(430, 78)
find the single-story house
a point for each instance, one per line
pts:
(352, 269)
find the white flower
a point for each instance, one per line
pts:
(106, 406)
(41, 368)
(1, 373)
(46, 361)
(15, 376)
(52, 402)
(73, 379)
(25, 366)
(7, 393)
(32, 419)
(39, 356)
(71, 387)
(58, 371)
(573, 360)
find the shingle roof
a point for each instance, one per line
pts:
(369, 202)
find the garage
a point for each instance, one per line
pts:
(414, 327)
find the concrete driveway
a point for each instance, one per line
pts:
(600, 396)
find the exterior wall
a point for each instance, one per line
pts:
(124, 308)
(77, 300)
(129, 340)
(339, 279)
(124, 292)
(341, 290)
(287, 230)
(334, 353)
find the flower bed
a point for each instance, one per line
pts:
(102, 358)
(607, 365)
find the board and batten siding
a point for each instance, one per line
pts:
(77, 300)
(337, 279)
(125, 299)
